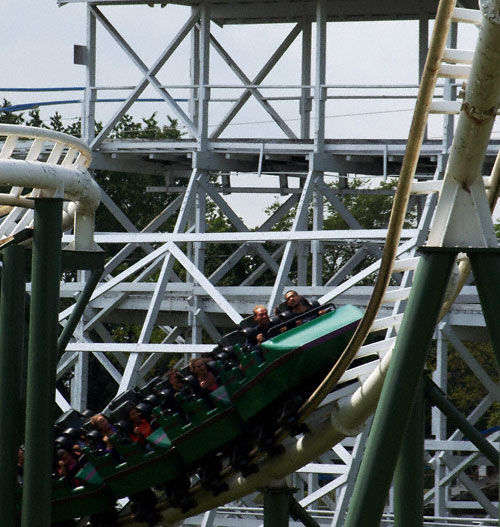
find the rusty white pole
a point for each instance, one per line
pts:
(463, 216)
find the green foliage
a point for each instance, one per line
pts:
(370, 211)
(217, 254)
(497, 228)
(127, 128)
(56, 123)
(125, 188)
(10, 117)
(35, 120)
(465, 390)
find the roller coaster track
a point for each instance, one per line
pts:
(330, 416)
(346, 415)
(54, 165)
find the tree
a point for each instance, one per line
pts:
(123, 188)
(371, 211)
(9, 117)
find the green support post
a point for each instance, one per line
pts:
(276, 506)
(400, 387)
(12, 304)
(297, 512)
(409, 474)
(485, 264)
(42, 349)
(78, 310)
(439, 399)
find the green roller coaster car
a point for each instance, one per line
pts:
(291, 357)
(141, 469)
(176, 446)
(217, 425)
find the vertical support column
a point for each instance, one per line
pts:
(319, 131)
(305, 96)
(199, 257)
(302, 253)
(42, 350)
(276, 505)
(12, 322)
(409, 475)
(202, 71)
(79, 382)
(319, 83)
(89, 97)
(192, 320)
(317, 163)
(317, 246)
(400, 387)
(439, 376)
(204, 90)
(194, 73)
(200, 226)
(423, 45)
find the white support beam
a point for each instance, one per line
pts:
(298, 222)
(149, 74)
(134, 361)
(266, 69)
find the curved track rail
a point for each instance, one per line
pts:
(49, 164)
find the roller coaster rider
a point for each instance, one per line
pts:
(265, 326)
(295, 305)
(206, 378)
(67, 465)
(101, 423)
(142, 425)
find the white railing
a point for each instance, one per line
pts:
(48, 164)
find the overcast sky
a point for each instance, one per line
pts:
(37, 39)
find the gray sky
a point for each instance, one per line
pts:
(37, 39)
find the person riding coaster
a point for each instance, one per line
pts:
(294, 311)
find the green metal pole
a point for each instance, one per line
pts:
(409, 474)
(78, 310)
(276, 501)
(11, 354)
(42, 349)
(400, 388)
(439, 399)
(297, 512)
(485, 265)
